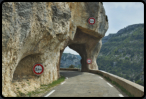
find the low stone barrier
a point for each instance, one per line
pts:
(70, 69)
(135, 89)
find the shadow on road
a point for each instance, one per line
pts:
(70, 74)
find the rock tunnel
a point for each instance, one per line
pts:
(87, 46)
(39, 33)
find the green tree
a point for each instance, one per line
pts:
(78, 66)
(126, 58)
(71, 66)
(139, 82)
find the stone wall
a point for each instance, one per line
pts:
(38, 32)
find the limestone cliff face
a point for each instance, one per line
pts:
(38, 32)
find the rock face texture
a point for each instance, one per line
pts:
(38, 32)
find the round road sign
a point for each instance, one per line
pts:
(91, 20)
(89, 61)
(38, 69)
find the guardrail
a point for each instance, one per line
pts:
(133, 88)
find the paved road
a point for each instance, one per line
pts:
(83, 84)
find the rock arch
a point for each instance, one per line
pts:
(87, 46)
(35, 32)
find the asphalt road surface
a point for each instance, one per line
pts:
(84, 84)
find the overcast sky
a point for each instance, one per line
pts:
(120, 15)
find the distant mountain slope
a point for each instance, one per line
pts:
(122, 53)
(68, 59)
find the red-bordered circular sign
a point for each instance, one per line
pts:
(38, 69)
(91, 20)
(89, 61)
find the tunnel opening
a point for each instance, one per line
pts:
(70, 59)
(80, 48)
(87, 46)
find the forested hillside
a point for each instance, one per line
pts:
(122, 53)
(68, 59)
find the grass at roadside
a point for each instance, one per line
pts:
(42, 89)
(114, 83)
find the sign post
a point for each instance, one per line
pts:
(91, 20)
(89, 61)
(38, 69)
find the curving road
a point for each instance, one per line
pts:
(83, 84)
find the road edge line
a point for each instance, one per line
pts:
(62, 83)
(49, 93)
(121, 95)
(109, 84)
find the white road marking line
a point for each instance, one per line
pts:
(62, 82)
(109, 84)
(92, 74)
(66, 77)
(100, 78)
(121, 95)
(49, 93)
